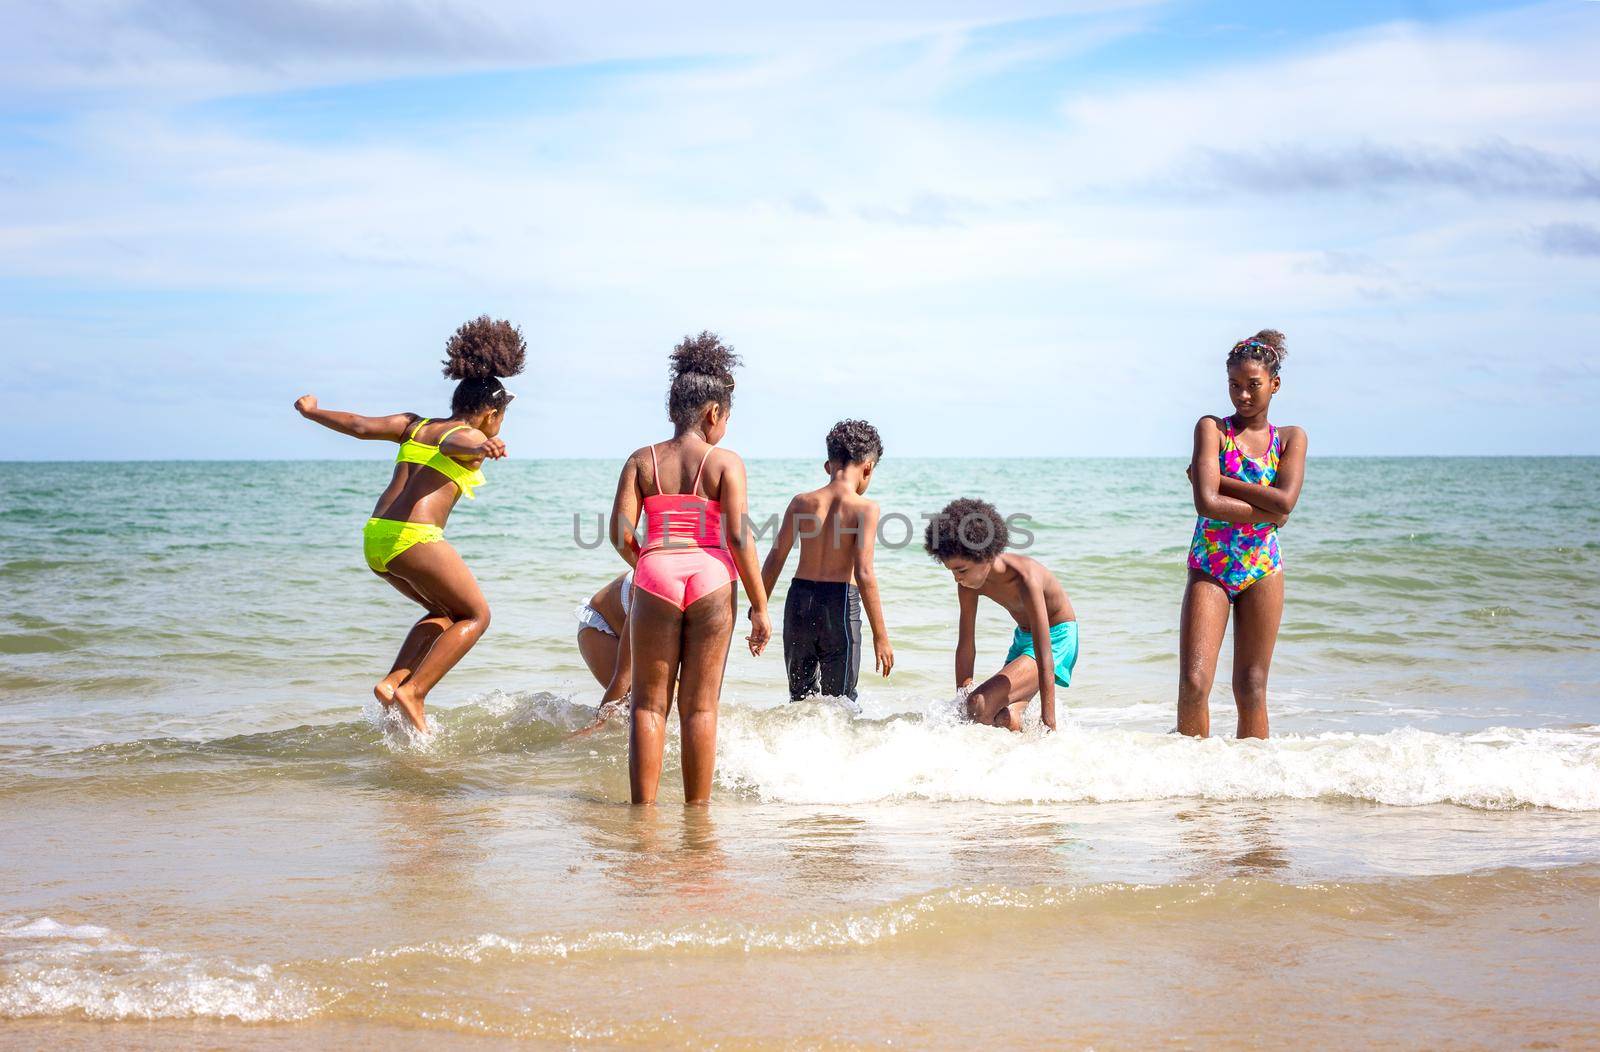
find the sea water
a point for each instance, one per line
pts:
(207, 828)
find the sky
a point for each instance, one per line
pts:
(990, 227)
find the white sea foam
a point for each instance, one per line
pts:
(49, 928)
(822, 756)
(53, 969)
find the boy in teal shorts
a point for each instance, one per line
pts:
(969, 537)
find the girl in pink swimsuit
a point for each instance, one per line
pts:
(1246, 477)
(697, 541)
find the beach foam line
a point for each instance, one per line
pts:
(50, 970)
(818, 755)
(815, 753)
(957, 912)
(85, 971)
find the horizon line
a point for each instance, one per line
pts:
(804, 457)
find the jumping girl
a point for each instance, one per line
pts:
(438, 462)
(695, 546)
(1246, 475)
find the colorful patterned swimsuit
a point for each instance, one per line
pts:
(1238, 554)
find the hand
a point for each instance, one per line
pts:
(607, 710)
(492, 449)
(1049, 724)
(1274, 517)
(760, 632)
(305, 405)
(882, 655)
(1048, 717)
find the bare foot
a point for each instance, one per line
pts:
(411, 706)
(384, 691)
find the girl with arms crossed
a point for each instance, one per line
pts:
(1246, 476)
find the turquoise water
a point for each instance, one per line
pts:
(203, 818)
(210, 598)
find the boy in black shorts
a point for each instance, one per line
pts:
(836, 526)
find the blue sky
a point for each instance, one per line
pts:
(1007, 227)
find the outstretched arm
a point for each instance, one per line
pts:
(1205, 477)
(385, 428)
(782, 544)
(867, 585)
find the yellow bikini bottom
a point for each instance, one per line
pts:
(382, 540)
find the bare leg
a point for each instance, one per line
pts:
(436, 570)
(417, 643)
(1201, 625)
(657, 629)
(1256, 616)
(599, 652)
(707, 632)
(1000, 700)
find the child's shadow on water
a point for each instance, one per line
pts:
(657, 851)
(1223, 840)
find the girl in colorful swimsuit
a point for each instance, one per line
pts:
(697, 541)
(439, 462)
(1246, 476)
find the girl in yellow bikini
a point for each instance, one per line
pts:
(438, 463)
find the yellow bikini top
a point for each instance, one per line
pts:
(431, 456)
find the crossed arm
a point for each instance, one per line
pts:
(1234, 500)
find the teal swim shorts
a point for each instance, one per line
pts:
(1063, 649)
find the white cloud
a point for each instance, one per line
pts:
(218, 46)
(827, 211)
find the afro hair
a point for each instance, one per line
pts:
(702, 372)
(969, 528)
(854, 442)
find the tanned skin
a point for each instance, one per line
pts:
(431, 575)
(685, 649)
(1035, 600)
(1258, 610)
(610, 658)
(837, 527)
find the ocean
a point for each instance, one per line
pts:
(209, 834)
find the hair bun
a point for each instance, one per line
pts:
(1273, 339)
(485, 348)
(704, 355)
(1266, 347)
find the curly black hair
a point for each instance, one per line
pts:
(702, 372)
(854, 442)
(1265, 347)
(478, 354)
(967, 527)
